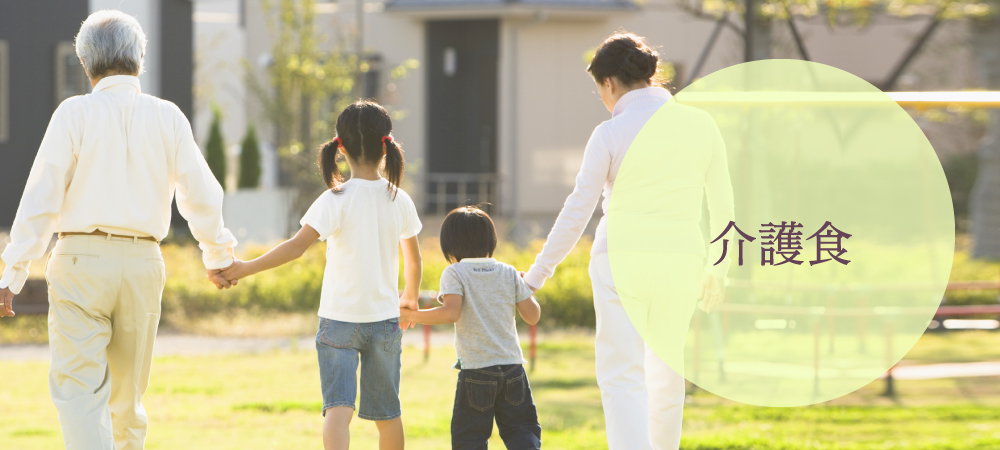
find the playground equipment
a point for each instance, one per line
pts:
(822, 319)
(814, 315)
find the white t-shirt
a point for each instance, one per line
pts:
(362, 226)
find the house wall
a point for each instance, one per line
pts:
(556, 105)
(398, 39)
(220, 80)
(548, 105)
(395, 38)
(32, 30)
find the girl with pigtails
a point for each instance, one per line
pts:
(365, 220)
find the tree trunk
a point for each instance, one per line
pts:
(762, 41)
(985, 200)
(758, 32)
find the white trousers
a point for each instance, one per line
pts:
(104, 307)
(643, 397)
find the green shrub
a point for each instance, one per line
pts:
(215, 149)
(295, 287)
(249, 160)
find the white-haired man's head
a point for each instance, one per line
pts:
(111, 43)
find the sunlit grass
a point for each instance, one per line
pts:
(272, 400)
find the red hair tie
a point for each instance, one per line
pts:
(337, 142)
(389, 137)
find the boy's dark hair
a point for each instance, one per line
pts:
(361, 128)
(467, 232)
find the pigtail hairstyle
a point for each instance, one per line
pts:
(328, 156)
(393, 162)
(628, 58)
(362, 129)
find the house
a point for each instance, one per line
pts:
(499, 110)
(501, 107)
(39, 69)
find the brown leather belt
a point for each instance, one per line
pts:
(108, 235)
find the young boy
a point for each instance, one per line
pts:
(479, 295)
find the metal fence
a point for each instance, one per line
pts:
(446, 191)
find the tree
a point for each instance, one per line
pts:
(215, 150)
(249, 160)
(761, 15)
(308, 82)
(985, 201)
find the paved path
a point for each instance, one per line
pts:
(178, 344)
(949, 370)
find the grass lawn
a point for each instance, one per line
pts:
(271, 401)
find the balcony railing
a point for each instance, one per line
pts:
(446, 191)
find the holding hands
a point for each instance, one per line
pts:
(408, 304)
(228, 277)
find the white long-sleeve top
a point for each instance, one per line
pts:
(601, 160)
(111, 161)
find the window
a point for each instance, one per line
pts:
(370, 75)
(4, 92)
(71, 79)
(450, 61)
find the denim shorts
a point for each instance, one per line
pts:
(378, 345)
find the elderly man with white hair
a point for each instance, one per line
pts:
(103, 179)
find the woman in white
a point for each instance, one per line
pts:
(643, 397)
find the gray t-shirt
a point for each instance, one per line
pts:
(485, 334)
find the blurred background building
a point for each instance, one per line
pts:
(39, 69)
(498, 106)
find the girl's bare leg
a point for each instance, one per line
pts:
(390, 434)
(337, 428)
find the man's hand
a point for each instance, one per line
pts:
(6, 302)
(220, 280)
(712, 292)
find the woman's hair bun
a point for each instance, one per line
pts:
(626, 57)
(641, 63)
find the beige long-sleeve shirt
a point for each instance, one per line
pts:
(111, 161)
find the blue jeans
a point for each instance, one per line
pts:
(379, 346)
(499, 392)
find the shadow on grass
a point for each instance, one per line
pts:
(31, 432)
(279, 407)
(563, 383)
(182, 389)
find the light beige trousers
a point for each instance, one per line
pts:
(104, 307)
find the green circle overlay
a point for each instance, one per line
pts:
(803, 142)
